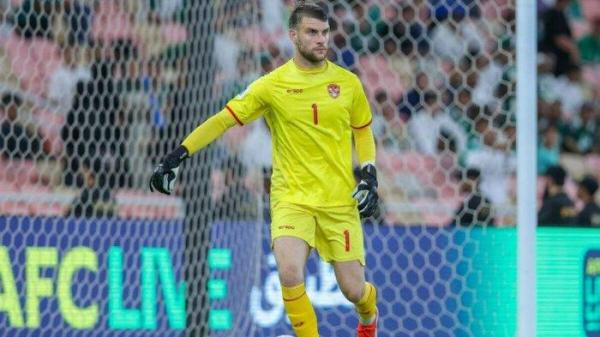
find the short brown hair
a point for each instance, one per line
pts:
(304, 9)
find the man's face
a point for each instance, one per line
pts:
(311, 38)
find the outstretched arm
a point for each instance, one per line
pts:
(365, 145)
(242, 109)
(163, 178)
(366, 191)
(208, 131)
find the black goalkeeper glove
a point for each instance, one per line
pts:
(366, 191)
(163, 177)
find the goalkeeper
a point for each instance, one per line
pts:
(313, 108)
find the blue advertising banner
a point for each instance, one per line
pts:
(101, 277)
(109, 277)
(432, 282)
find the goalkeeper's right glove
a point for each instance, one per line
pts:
(164, 175)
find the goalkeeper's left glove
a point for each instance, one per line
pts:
(366, 191)
(164, 175)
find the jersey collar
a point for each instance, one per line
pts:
(310, 71)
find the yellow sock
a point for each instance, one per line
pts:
(300, 311)
(367, 306)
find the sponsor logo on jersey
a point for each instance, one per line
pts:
(295, 91)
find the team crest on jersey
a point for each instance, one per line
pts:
(334, 90)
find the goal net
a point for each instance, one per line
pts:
(95, 93)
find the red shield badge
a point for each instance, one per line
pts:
(334, 90)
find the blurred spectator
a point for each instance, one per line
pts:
(476, 209)
(410, 32)
(589, 216)
(581, 133)
(462, 102)
(552, 114)
(547, 82)
(227, 39)
(34, 19)
(95, 127)
(472, 119)
(505, 93)
(510, 135)
(166, 9)
(377, 74)
(234, 201)
(548, 152)
(390, 129)
(259, 137)
(272, 16)
(596, 144)
(455, 37)
(446, 145)
(557, 38)
(341, 13)
(557, 208)
(426, 125)
(151, 87)
(589, 44)
(570, 91)
(340, 52)
(78, 17)
(496, 165)
(447, 158)
(18, 140)
(63, 81)
(490, 75)
(6, 28)
(413, 99)
(401, 63)
(508, 28)
(95, 198)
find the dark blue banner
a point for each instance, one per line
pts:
(110, 278)
(74, 277)
(431, 281)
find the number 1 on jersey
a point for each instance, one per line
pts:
(315, 114)
(347, 240)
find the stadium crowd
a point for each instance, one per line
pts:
(89, 86)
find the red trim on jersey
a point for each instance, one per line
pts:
(362, 127)
(234, 115)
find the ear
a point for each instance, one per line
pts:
(293, 34)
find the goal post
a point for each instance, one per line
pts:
(526, 171)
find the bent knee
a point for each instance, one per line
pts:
(353, 293)
(291, 275)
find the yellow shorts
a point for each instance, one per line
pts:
(335, 232)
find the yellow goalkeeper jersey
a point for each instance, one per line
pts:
(311, 114)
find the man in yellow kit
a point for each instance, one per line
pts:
(313, 108)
